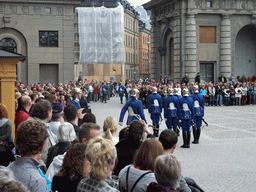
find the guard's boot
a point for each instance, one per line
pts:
(184, 135)
(195, 136)
(156, 130)
(176, 131)
(198, 135)
(188, 139)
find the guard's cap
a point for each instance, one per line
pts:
(196, 89)
(185, 92)
(170, 91)
(134, 92)
(154, 90)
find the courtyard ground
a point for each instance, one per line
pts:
(225, 159)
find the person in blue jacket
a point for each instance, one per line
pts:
(104, 91)
(155, 104)
(121, 90)
(185, 114)
(171, 105)
(134, 107)
(76, 94)
(198, 100)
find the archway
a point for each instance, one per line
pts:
(245, 52)
(8, 38)
(171, 57)
(168, 58)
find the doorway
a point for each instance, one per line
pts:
(207, 72)
(49, 73)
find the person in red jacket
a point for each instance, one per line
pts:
(22, 113)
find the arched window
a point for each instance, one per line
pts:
(8, 44)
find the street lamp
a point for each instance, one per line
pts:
(148, 56)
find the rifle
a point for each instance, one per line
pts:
(205, 122)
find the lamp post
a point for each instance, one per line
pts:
(148, 56)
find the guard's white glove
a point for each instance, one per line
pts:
(120, 123)
(179, 121)
(165, 119)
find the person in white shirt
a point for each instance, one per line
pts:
(238, 94)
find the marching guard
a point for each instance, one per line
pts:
(185, 114)
(104, 91)
(171, 105)
(134, 108)
(155, 109)
(198, 100)
(121, 90)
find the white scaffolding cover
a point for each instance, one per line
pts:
(101, 35)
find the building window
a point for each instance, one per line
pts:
(209, 4)
(48, 10)
(207, 34)
(48, 39)
(8, 44)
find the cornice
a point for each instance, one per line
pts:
(58, 2)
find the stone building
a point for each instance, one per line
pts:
(144, 51)
(43, 31)
(113, 72)
(212, 37)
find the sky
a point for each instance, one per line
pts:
(138, 2)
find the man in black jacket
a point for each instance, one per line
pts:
(197, 78)
(218, 90)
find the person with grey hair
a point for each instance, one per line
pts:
(6, 174)
(8, 182)
(167, 170)
(13, 186)
(65, 135)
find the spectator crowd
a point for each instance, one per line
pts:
(58, 145)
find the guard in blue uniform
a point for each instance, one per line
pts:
(185, 114)
(198, 100)
(171, 105)
(155, 109)
(121, 90)
(104, 91)
(76, 94)
(134, 108)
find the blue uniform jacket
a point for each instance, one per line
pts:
(198, 111)
(169, 112)
(104, 89)
(151, 107)
(121, 91)
(184, 113)
(137, 109)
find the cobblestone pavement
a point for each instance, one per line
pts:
(225, 159)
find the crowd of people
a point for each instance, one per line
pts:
(58, 146)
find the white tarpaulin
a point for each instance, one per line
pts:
(101, 35)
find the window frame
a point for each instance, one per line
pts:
(48, 44)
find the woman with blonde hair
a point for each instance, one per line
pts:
(101, 153)
(110, 126)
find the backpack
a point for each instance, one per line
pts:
(136, 182)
